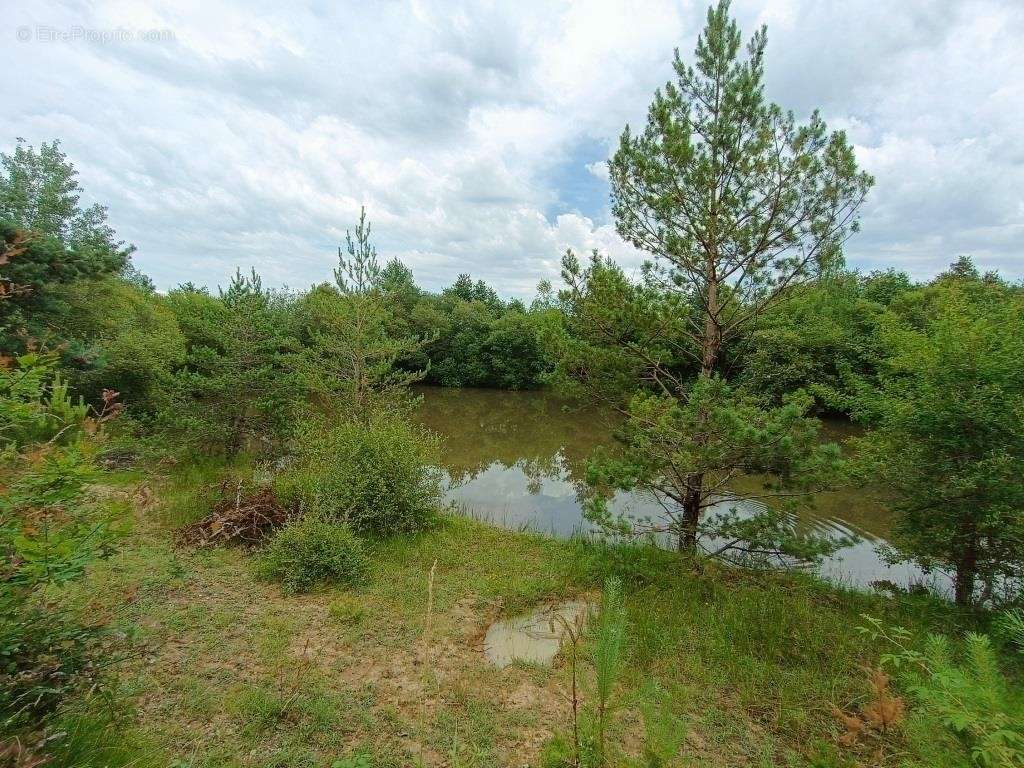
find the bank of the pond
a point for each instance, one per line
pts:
(518, 459)
(731, 668)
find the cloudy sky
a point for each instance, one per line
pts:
(250, 132)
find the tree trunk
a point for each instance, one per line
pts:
(691, 513)
(235, 439)
(964, 586)
(711, 344)
(711, 339)
(966, 568)
(712, 336)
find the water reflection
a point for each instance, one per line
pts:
(518, 459)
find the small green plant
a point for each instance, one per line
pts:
(426, 653)
(663, 733)
(312, 551)
(588, 746)
(608, 655)
(45, 654)
(965, 691)
(93, 731)
(345, 610)
(358, 760)
(1011, 626)
(45, 532)
(36, 405)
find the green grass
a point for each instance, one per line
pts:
(233, 672)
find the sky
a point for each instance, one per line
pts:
(249, 133)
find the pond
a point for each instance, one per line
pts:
(518, 459)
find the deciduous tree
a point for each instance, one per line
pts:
(949, 431)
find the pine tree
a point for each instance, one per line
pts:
(352, 355)
(237, 384)
(738, 206)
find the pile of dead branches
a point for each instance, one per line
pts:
(238, 518)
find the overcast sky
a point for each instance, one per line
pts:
(248, 133)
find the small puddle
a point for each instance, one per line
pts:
(534, 637)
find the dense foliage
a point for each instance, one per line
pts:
(377, 476)
(49, 534)
(237, 386)
(48, 240)
(960, 686)
(948, 441)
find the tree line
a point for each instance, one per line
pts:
(709, 388)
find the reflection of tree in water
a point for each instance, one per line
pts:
(548, 438)
(536, 470)
(537, 437)
(543, 436)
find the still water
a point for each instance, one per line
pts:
(518, 459)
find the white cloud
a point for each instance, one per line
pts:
(599, 169)
(254, 137)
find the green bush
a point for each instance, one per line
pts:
(123, 338)
(378, 478)
(45, 654)
(48, 536)
(312, 551)
(36, 405)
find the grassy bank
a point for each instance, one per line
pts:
(726, 668)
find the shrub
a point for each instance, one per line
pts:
(45, 654)
(378, 477)
(311, 551)
(125, 339)
(47, 538)
(49, 534)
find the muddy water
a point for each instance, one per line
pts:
(518, 459)
(536, 637)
